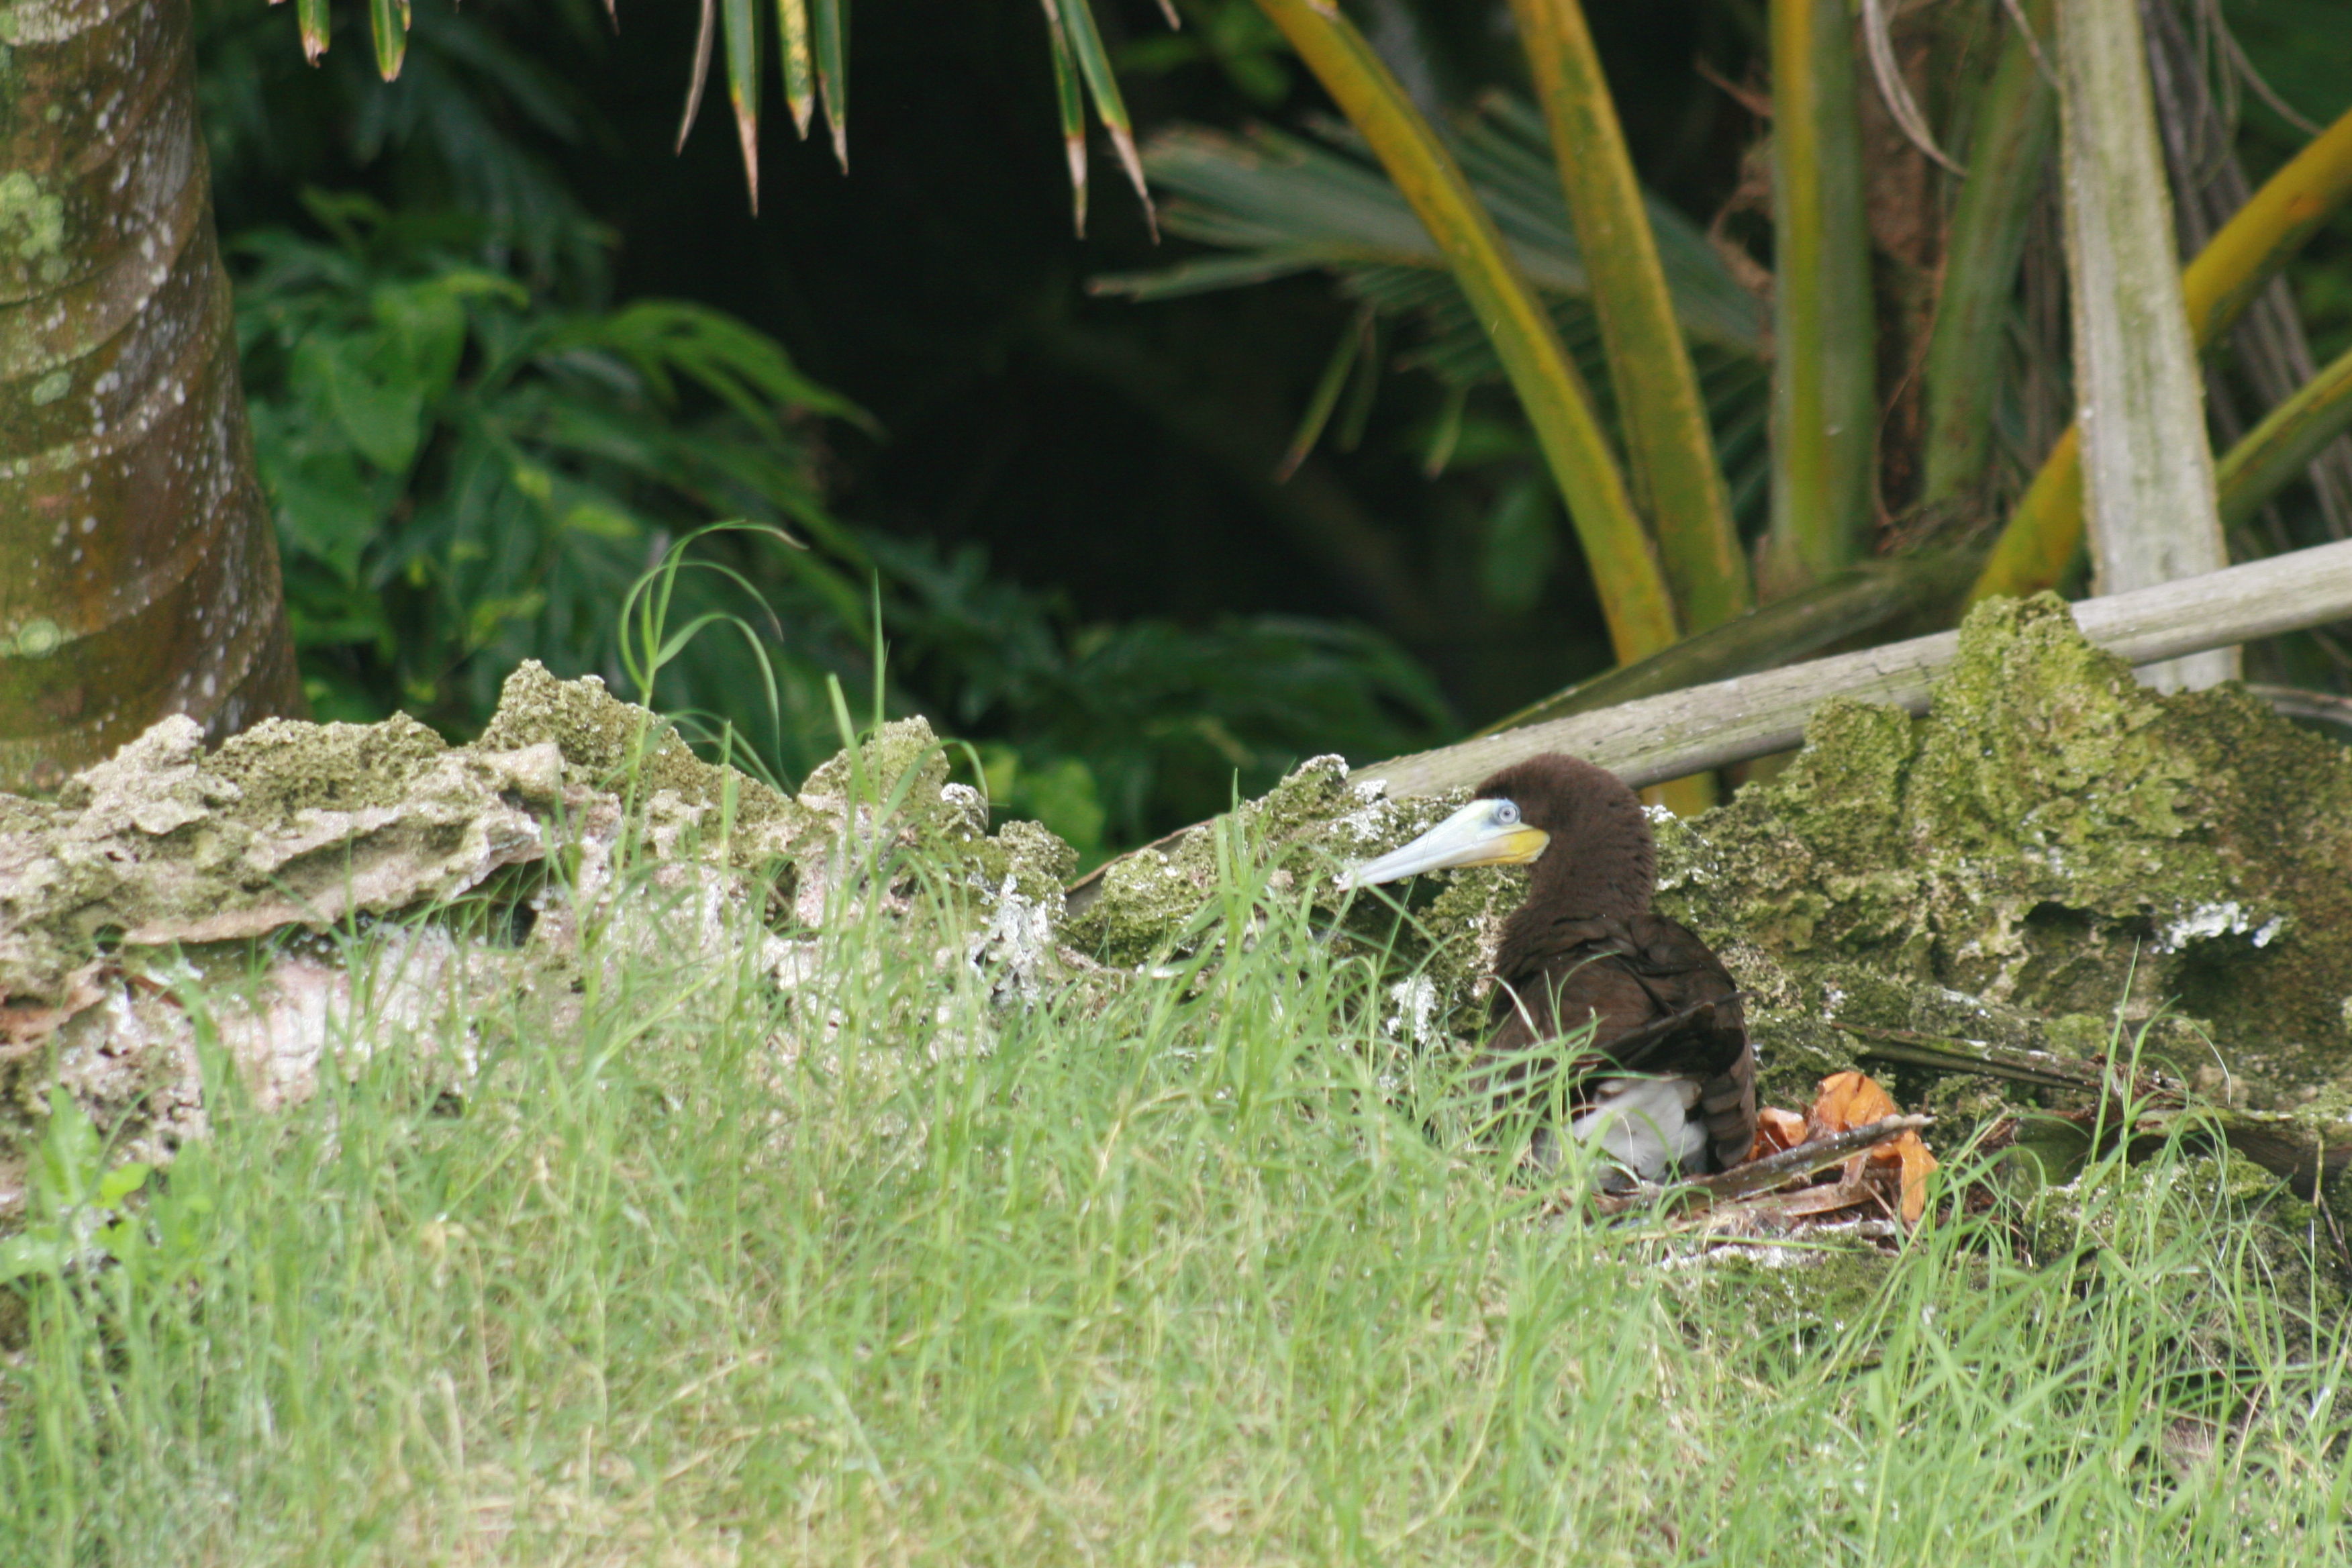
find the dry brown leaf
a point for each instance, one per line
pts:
(1855, 1099)
(1776, 1130)
(1911, 1151)
(1848, 1100)
(1890, 1175)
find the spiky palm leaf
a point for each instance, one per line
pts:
(810, 40)
(1279, 206)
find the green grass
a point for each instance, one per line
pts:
(1198, 1272)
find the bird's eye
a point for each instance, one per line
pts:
(1507, 813)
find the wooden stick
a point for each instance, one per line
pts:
(1661, 738)
(1941, 1053)
(1771, 1170)
(2303, 1148)
(1681, 732)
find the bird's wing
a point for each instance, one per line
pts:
(1638, 1049)
(1713, 1044)
(1727, 1101)
(1647, 979)
(1664, 1005)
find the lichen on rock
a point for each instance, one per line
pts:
(579, 830)
(285, 825)
(612, 747)
(2052, 840)
(2051, 848)
(1299, 838)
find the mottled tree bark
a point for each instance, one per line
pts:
(138, 569)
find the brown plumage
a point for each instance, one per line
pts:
(1586, 946)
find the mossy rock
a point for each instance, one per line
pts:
(2053, 846)
(571, 801)
(2052, 841)
(612, 746)
(2205, 1205)
(1296, 839)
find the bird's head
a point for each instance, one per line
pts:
(1580, 821)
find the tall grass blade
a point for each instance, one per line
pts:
(742, 25)
(2043, 533)
(832, 17)
(1077, 20)
(2284, 443)
(1633, 590)
(1365, 389)
(649, 643)
(799, 65)
(1669, 450)
(1069, 99)
(2008, 159)
(1445, 433)
(388, 23)
(1825, 403)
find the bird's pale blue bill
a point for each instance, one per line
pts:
(1483, 833)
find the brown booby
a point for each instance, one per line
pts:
(1668, 1081)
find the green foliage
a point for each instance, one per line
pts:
(1274, 205)
(473, 125)
(1102, 726)
(77, 1215)
(467, 474)
(1232, 35)
(2300, 56)
(474, 456)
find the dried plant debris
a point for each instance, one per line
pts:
(169, 879)
(1847, 1100)
(1854, 1156)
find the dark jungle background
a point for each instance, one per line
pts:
(505, 351)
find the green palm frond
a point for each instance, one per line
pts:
(1280, 205)
(1287, 206)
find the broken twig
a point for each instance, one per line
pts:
(1772, 1170)
(1941, 1053)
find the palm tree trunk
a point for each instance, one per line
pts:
(138, 569)
(2139, 394)
(1825, 359)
